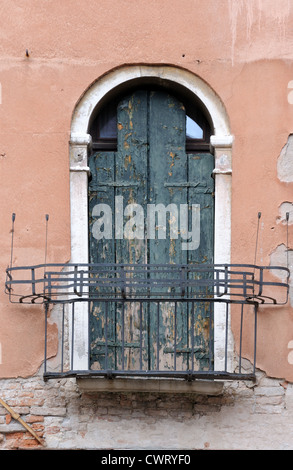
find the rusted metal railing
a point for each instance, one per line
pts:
(151, 320)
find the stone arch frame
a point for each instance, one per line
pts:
(80, 145)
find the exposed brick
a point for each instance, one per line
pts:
(24, 402)
(180, 415)
(37, 427)
(102, 410)
(206, 408)
(46, 411)
(21, 410)
(34, 419)
(112, 410)
(15, 435)
(17, 440)
(8, 418)
(27, 394)
(270, 391)
(138, 414)
(157, 413)
(269, 400)
(268, 409)
(28, 443)
(53, 430)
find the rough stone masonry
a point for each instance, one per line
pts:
(66, 419)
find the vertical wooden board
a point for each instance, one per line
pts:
(168, 178)
(131, 184)
(200, 171)
(202, 192)
(131, 174)
(168, 168)
(101, 191)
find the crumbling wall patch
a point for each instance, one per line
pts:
(285, 162)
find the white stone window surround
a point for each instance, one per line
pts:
(80, 144)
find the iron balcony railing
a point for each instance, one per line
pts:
(150, 320)
(138, 339)
(50, 282)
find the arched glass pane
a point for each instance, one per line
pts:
(107, 126)
(193, 130)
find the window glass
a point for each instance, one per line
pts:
(107, 125)
(193, 130)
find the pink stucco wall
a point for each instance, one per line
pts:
(243, 50)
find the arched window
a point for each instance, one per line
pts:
(196, 95)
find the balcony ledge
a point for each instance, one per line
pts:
(133, 385)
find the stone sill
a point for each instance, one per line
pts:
(101, 384)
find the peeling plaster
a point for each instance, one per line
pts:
(285, 162)
(290, 355)
(290, 94)
(284, 208)
(279, 257)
